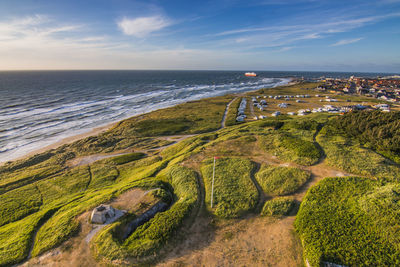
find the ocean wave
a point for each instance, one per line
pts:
(25, 129)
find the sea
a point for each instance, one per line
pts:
(39, 108)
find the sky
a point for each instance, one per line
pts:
(251, 35)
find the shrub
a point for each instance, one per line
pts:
(291, 148)
(278, 181)
(278, 206)
(351, 221)
(234, 192)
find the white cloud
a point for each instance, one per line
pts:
(347, 41)
(143, 26)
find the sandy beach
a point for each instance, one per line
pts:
(67, 140)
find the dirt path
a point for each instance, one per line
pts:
(255, 241)
(253, 115)
(226, 113)
(261, 194)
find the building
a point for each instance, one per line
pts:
(102, 213)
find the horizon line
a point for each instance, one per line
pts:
(234, 70)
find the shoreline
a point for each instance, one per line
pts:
(104, 128)
(64, 141)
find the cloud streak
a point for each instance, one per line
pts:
(143, 26)
(347, 41)
(283, 35)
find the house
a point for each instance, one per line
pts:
(283, 105)
(102, 213)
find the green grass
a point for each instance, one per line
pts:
(347, 154)
(232, 112)
(279, 181)
(72, 181)
(302, 88)
(351, 221)
(374, 129)
(234, 192)
(17, 237)
(193, 117)
(289, 147)
(127, 158)
(280, 206)
(19, 203)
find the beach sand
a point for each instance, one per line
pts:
(67, 140)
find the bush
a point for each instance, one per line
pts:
(291, 148)
(278, 207)
(347, 154)
(234, 192)
(351, 221)
(279, 181)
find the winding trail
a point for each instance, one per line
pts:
(261, 195)
(226, 113)
(90, 178)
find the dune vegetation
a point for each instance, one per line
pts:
(234, 192)
(351, 221)
(280, 181)
(279, 206)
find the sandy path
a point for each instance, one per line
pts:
(226, 112)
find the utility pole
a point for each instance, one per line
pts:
(212, 185)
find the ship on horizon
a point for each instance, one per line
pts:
(250, 74)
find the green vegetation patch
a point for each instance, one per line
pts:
(19, 203)
(16, 238)
(351, 221)
(347, 154)
(234, 191)
(70, 182)
(232, 112)
(127, 158)
(280, 206)
(288, 147)
(377, 130)
(278, 181)
(193, 117)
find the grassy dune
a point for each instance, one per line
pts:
(234, 192)
(278, 206)
(352, 221)
(279, 181)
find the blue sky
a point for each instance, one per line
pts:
(314, 35)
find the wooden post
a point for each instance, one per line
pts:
(212, 185)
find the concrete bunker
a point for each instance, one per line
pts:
(102, 213)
